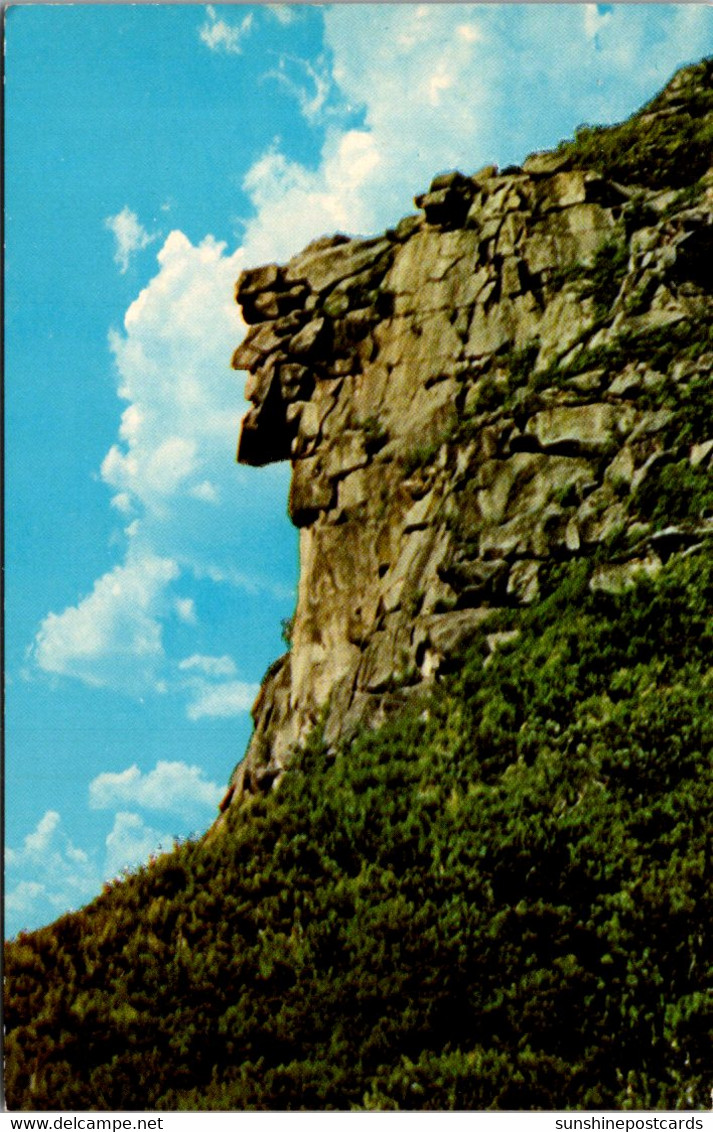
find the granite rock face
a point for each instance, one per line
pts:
(482, 390)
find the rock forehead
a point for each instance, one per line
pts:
(465, 401)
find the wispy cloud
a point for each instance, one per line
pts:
(436, 86)
(219, 35)
(206, 491)
(130, 235)
(285, 14)
(186, 610)
(596, 19)
(310, 83)
(215, 666)
(37, 842)
(444, 86)
(214, 693)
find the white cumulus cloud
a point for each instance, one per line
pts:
(294, 203)
(173, 464)
(113, 637)
(172, 786)
(221, 701)
(37, 842)
(46, 875)
(131, 842)
(213, 694)
(130, 235)
(172, 473)
(173, 365)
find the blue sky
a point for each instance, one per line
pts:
(153, 151)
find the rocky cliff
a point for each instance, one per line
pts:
(515, 376)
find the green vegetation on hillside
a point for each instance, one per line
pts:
(666, 145)
(502, 899)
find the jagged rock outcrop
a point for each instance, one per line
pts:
(510, 378)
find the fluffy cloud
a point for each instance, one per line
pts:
(294, 204)
(400, 91)
(67, 876)
(48, 875)
(113, 637)
(173, 465)
(219, 35)
(221, 701)
(130, 235)
(212, 695)
(37, 842)
(172, 361)
(172, 786)
(173, 476)
(131, 842)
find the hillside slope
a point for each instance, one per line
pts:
(501, 896)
